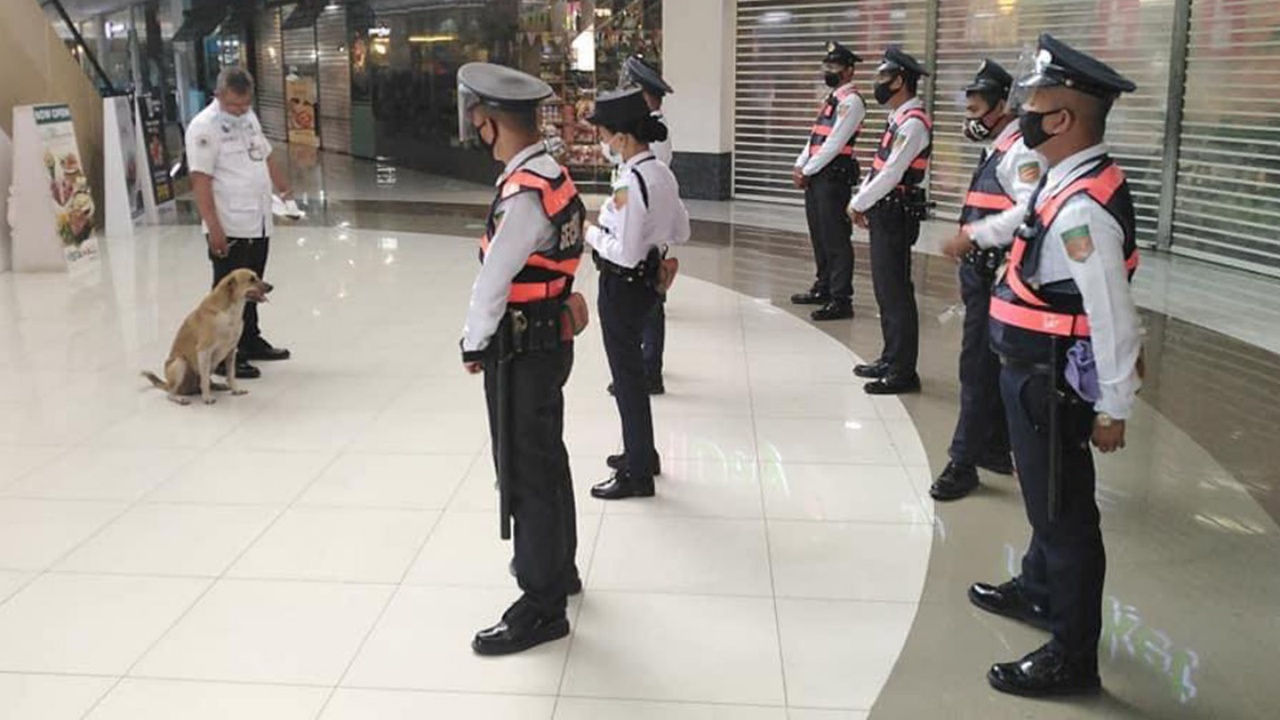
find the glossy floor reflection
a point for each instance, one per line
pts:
(325, 546)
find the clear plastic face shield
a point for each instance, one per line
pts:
(468, 101)
(1028, 76)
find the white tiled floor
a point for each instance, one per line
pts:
(325, 546)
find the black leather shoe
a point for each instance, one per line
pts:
(1047, 672)
(813, 297)
(622, 486)
(655, 387)
(834, 310)
(955, 482)
(998, 463)
(872, 371)
(522, 627)
(1010, 601)
(893, 385)
(244, 371)
(617, 462)
(262, 350)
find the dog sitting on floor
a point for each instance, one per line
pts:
(210, 337)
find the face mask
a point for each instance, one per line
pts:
(976, 129)
(609, 153)
(487, 145)
(884, 92)
(831, 79)
(1032, 126)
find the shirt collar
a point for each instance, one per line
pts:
(1064, 170)
(914, 103)
(521, 158)
(1008, 130)
(635, 159)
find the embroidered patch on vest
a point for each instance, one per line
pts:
(1079, 243)
(1029, 172)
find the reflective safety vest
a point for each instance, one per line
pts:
(1024, 319)
(547, 273)
(987, 196)
(826, 122)
(914, 175)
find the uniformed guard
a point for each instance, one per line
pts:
(519, 333)
(1065, 326)
(827, 171)
(642, 73)
(643, 215)
(891, 204)
(232, 175)
(1007, 174)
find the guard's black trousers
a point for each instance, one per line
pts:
(248, 253)
(826, 203)
(1065, 564)
(893, 233)
(653, 340)
(545, 527)
(624, 309)
(981, 430)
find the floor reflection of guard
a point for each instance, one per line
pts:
(994, 207)
(517, 334)
(1064, 323)
(890, 204)
(643, 214)
(827, 171)
(640, 72)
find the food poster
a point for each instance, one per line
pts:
(301, 93)
(69, 188)
(157, 152)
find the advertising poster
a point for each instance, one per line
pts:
(73, 205)
(301, 92)
(151, 117)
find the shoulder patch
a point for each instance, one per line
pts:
(620, 197)
(899, 140)
(1029, 172)
(1079, 243)
(202, 141)
(844, 110)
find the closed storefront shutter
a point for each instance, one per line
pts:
(1134, 36)
(335, 80)
(270, 79)
(1227, 206)
(780, 46)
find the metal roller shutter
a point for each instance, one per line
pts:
(335, 80)
(1227, 205)
(270, 78)
(1134, 36)
(779, 85)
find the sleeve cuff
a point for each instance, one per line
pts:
(470, 356)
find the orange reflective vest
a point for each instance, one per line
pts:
(920, 165)
(1025, 318)
(986, 195)
(547, 273)
(826, 122)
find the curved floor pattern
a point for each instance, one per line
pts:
(325, 546)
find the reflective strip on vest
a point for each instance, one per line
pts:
(988, 201)
(533, 292)
(554, 200)
(1040, 321)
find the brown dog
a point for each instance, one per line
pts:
(208, 337)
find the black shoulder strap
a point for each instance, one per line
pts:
(644, 187)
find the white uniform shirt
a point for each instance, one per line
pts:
(523, 228)
(663, 150)
(849, 116)
(911, 140)
(233, 151)
(628, 225)
(1019, 173)
(1102, 278)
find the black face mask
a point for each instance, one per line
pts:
(831, 79)
(1032, 126)
(884, 92)
(480, 136)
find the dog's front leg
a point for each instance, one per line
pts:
(231, 374)
(204, 359)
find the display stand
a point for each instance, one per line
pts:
(52, 211)
(120, 146)
(157, 186)
(6, 181)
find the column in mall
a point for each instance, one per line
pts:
(697, 59)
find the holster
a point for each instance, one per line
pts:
(916, 203)
(546, 325)
(986, 262)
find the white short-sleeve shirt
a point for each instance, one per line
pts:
(233, 151)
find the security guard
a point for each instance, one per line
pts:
(891, 204)
(516, 335)
(996, 203)
(827, 171)
(1065, 326)
(232, 175)
(643, 215)
(638, 71)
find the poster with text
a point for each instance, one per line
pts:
(73, 205)
(152, 118)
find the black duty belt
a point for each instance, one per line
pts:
(644, 272)
(986, 261)
(536, 326)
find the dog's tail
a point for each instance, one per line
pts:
(155, 380)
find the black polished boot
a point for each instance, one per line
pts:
(244, 371)
(1046, 672)
(956, 481)
(618, 462)
(893, 384)
(522, 627)
(260, 349)
(813, 297)
(1010, 601)
(623, 485)
(834, 310)
(872, 371)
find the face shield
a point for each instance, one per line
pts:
(1029, 75)
(468, 101)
